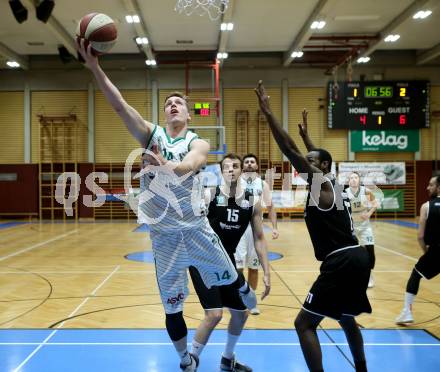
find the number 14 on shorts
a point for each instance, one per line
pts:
(225, 276)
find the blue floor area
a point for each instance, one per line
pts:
(6, 225)
(151, 351)
(412, 225)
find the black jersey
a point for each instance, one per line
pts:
(330, 229)
(229, 218)
(432, 228)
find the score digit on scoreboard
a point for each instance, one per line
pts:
(379, 105)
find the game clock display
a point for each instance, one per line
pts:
(379, 105)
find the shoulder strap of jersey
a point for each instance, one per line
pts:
(191, 137)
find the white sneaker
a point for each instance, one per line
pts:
(255, 311)
(249, 298)
(405, 317)
(371, 281)
(192, 367)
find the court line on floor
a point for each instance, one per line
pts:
(37, 245)
(395, 252)
(45, 342)
(380, 344)
(152, 272)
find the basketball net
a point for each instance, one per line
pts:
(214, 8)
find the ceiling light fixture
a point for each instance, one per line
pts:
(422, 14)
(13, 64)
(18, 10)
(392, 38)
(297, 54)
(44, 10)
(363, 59)
(227, 26)
(132, 18)
(141, 40)
(317, 25)
(221, 55)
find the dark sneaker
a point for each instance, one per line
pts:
(192, 367)
(232, 365)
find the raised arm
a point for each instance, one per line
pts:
(286, 144)
(136, 125)
(324, 192)
(261, 246)
(303, 132)
(193, 161)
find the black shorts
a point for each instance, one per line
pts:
(341, 287)
(217, 297)
(429, 264)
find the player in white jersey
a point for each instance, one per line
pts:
(172, 202)
(245, 255)
(363, 205)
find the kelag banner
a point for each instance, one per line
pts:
(385, 141)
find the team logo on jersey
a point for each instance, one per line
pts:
(221, 200)
(245, 204)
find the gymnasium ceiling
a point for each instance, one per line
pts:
(261, 28)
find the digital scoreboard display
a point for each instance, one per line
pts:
(202, 108)
(379, 105)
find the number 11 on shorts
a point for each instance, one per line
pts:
(309, 298)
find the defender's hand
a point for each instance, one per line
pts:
(263, 98)
(303, 126)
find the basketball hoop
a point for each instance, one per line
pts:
(214, 8)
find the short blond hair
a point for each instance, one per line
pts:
(177, 94)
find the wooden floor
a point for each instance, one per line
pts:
(76, 276)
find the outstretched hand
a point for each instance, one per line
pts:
(90, 60)
(263, 98)
(155, 157)
(303, 126)
(266, 281)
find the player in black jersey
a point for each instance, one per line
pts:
(340, 290)
(231, 209)
(428, 265)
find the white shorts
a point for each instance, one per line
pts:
(364, 235)
(245, 255)
(174, 252)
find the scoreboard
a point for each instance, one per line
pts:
(202, 108)
(379, 105)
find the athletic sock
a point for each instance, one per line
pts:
(409, 299)
(230, 346)
(197, 348)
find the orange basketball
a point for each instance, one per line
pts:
(99, 30)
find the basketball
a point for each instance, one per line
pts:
(98, 29)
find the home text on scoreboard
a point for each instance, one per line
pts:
(379, 105)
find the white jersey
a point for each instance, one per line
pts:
(359, 204)
(168, 202)
(253, 186)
